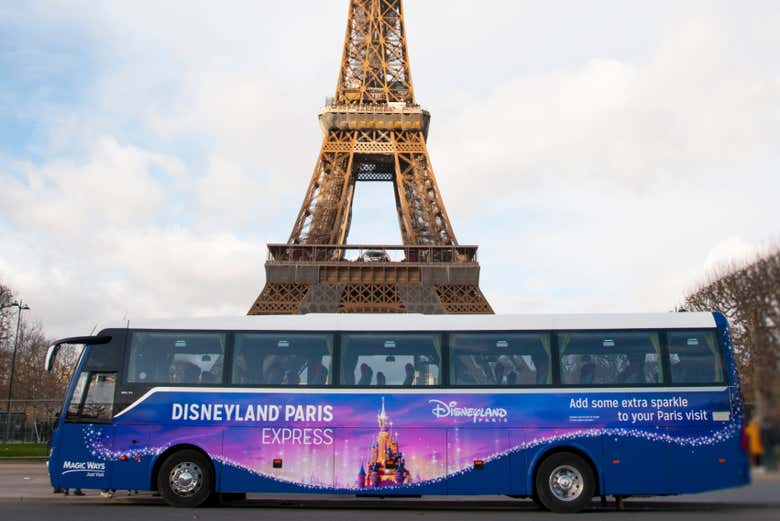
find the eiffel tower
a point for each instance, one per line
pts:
(374, 131)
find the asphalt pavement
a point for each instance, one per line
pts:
(25, 494)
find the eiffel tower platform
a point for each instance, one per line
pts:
(371, 279)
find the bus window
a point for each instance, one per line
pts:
(610, 358)
(106, 357)
(78, 395)
(500, 359)
(98, 404)
(695, 357)
(282, 359)
(390, 359)
(176, 358)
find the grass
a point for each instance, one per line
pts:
(23, 450)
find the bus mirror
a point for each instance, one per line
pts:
(51, 354)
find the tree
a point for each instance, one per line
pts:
(37, 394)
(6, 297)
(31, 381)
(749, 296)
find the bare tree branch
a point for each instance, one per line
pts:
(749, 296)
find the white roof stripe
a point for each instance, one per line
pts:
(414, 322)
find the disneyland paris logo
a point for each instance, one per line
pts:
(475, 414)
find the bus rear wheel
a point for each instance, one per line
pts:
(186, 479)
(565, 483)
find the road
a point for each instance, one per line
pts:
(25, 494)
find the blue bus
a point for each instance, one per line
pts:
(558, 408)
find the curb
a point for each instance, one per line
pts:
(322, 504)
(639, 505)
(94, 500)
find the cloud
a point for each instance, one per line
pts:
(145, 273)
(94, 240)
(115, 186)
(230, 197)
(189, 273)
(609, 185)
(733, 251)
(694, 110)
(601, 166)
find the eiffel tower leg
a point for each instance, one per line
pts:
(326, 197)
(402, 203)
(420, 197)
(344, 216)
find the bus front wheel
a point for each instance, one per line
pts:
(186, 479)
(565, 482)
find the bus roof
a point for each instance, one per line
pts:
(416, 322)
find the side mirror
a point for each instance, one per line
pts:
(51, 354)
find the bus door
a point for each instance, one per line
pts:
(86, 440)
(83, 448)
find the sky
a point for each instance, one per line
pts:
(604, 155)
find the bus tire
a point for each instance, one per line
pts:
(186, 479)
(565, 483)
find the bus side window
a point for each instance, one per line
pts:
(98, 404)
(78, 395)
(695, 357)
(610, 358)
(390, 359)
(504, 359)
(282, 359)
(176, 358)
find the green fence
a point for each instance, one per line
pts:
(30, 421)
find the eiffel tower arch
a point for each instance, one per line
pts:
(374, 131)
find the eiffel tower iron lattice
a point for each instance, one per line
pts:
(373, 131)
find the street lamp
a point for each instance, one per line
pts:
(22, 307)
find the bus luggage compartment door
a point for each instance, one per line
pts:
(131, 466)
(475, 463)
(635, 465)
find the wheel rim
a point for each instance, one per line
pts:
(566, 483)
(185, 479)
